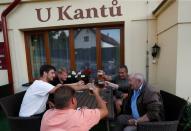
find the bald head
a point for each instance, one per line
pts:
(135, 80)
(139, 76)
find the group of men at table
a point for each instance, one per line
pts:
(135, 101)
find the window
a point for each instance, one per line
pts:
(99, 47)
(86, 38)
(59, 48)
(37, 53)
(85, 51)
(110, 46)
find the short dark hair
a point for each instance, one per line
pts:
(62, 96)
(46, 68)
(123, 66)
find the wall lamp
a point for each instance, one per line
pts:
(155, 52)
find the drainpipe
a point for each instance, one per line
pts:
(6, 40)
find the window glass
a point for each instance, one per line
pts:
(37, 53)
(59, 48)
(85, 49)
(110, 44)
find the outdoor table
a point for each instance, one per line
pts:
(86, 99)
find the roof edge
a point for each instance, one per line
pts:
(162, 6)
(28, 1)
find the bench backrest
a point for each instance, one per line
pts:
(173, 106)
(11, 104)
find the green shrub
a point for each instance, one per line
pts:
(185, 122)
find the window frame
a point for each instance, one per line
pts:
(98, 27)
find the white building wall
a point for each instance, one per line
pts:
(166, 67)
(1, 36)
(183, 53)
(143, 31)
(174, 29)
(168, 18)
(79, 39)
(183, 87)
(136, 29)
(167, 31)
(18, 59)
(151, 40)
(3, 77)
(183, 10)
(23, 17)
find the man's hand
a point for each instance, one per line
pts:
(93, 89)
(114, 86)
(51, 104)
(106, 83)
(107, 77)
(125, 95)
(59, 85)
(132, 122)
(80, 83)
(77, 86)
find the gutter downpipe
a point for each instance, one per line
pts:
(6, 41)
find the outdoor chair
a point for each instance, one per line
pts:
(5, 90)
(11, 106)
(173, 110)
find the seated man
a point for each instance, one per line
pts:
(36, 96)
(144, 104)
(61, 77)
(121, 79)
(66, 117)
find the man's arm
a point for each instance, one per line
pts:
(144, 118)
(78, 86)
(114, 86)
(107, 77)
(153, 107)
(101, 103)
(55, 88)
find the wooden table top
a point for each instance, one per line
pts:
(85, 99)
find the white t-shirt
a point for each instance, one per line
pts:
(36, 96)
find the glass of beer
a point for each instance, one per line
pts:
(100, 78)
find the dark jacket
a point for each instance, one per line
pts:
(149, 102)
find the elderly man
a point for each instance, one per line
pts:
(144, 104)
(66, 117)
